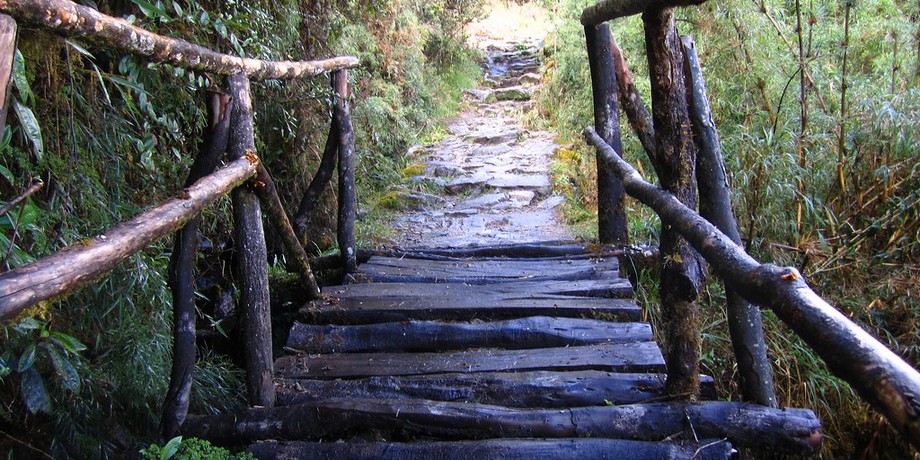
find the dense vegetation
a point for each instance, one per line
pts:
(837, 195)
(111, 135)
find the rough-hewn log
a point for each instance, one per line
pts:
(789, 431)
(631, 101)
(674, 160)
(267, 192)
(547, 389)
(181, 276)
(70, 19)
(607, 10)
(7, 55)
(320, 181)
(79, 265)
(600, 286)
(878, 374)
(413, 336)
(506, 449)
(611, 212)
(744, 320)
(348, 200)
(251, 256)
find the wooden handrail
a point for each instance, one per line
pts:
(607, 10)
(80, 264)
(70, 19)
(879, 375)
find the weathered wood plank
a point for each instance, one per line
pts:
(612, 287)
(362, 310)
(506, 449)
(530, 332)
(506, 267)
(628, 357)
(510, 389)
(789, 431)
(388, 269)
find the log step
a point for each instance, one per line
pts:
(626, 357)
(793, 431)
(419, 336)
(391, 269)
(507, 449)
(601, 286)
(460, 307)
(511, 389)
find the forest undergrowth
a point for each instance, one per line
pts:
(836, 195)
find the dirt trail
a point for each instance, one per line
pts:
(492, 174)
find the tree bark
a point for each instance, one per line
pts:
(788, 431)
(7, 56)
(251, 257)
(607, 10)
(304, 217)
(268, 193)
(69, 19)
(347, 197)
(879, 375)
(744, 320)
(611, 213)
(636, 113)
(181, 272)
(60, 274)
(674, 161)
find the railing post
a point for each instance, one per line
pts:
(251, 256)
(745, 323)
(7, 56)
(347, 195)
(182, 269)
(611, 215)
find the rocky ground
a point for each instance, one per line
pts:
(490, 176)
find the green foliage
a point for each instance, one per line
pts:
(190, 449)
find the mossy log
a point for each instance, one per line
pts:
(878, 374)
(70, 19)
(62, 273)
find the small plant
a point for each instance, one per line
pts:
(190, 449)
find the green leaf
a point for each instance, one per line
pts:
(150, 10)
(80, 49)
(27, 359)
(19, 78)
(32, 387)
(64, 368)
(31, 128)
(68, 342)
(28, 324)
(171, 447)
(5, 369)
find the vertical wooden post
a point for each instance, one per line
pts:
(251, 256)
(181, 272)
(611, 214)
(347, 195)
(7, 56)
(674, 161)
(745, 323)
(321, 179)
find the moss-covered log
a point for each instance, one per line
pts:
(70, 19)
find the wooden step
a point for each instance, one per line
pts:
(626, 357)
(417, 336)
(506, 449)
(511, 389)
(391, 269)
(794, 431)
(603, 286)
(459, 307)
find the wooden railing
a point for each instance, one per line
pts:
(681, 140)
(230, 134)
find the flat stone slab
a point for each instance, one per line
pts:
(532, 181)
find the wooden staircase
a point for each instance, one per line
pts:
(440, 355)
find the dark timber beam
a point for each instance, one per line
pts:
(878, 374)
(348, 200)
(612, 9)
(72, 20)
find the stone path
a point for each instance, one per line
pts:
(491, 174)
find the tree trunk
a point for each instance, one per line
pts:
(182, 276)
(611, 214)
(58, 275)
(69, 19)
(7, 55)
(674, 161)
(744, 320)
(633, 106)
(347, 196)
(304, 217)
(879, 375)
(251, 257)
